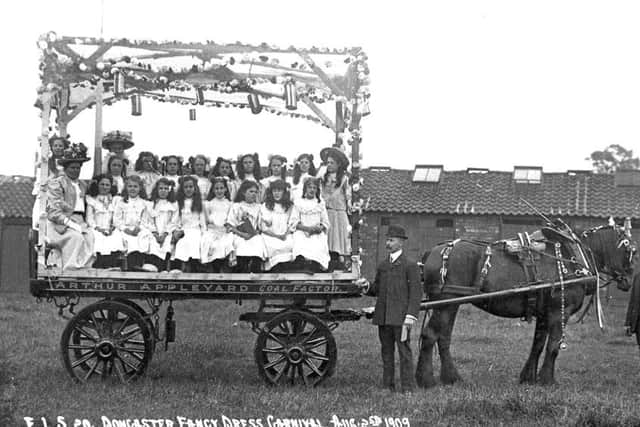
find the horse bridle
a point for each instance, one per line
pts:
(623, 240)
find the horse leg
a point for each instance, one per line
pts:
(429, 335)
(554, 320)
(529, 372)
(448, 372)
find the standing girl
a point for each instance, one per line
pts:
(275, 213)
(199, 164)
(100, 208)
(277, 170)
(131, 218)
(303, 169)
(190, 224)
(224, 168)
(217, 242)
(336, 193)
(173, 169)
(248, 169)
(310, 220)
(243, 222)
(163, 216)
(116, 170)
(148, 169)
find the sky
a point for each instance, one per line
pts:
(489, 84)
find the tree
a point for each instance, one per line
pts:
(613, 157)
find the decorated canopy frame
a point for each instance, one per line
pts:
(79, 72)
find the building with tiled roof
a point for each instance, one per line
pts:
(16, 205)
(436, 205)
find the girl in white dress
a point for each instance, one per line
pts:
(310, 220)
(277, 169)
(275, 213)
(303, 169)
(131, 219)
(163, 216)
(243, 223)
(173, 170)
(199, 165)
(147, 168)
(217, 241)
(190, 224)
(224, 168)
(116, 170)
(100, 208)
(248, 169)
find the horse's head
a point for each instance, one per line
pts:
(613, 252)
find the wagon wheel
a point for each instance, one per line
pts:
(107, 339)
(295, 347)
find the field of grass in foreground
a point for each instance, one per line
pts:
(210, 372)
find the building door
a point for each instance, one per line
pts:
(14, 258)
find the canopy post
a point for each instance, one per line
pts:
(97, 149)
(45, 99)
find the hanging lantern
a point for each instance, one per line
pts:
(363, 108)
(136, 105)
(192, 113)
(254, 103)
(290, 95)
(118, 83)
(200, 96)
(340, 117)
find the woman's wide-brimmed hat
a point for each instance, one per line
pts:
(75, 153)
(336, 154)
(117, 136)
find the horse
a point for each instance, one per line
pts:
(454, 267)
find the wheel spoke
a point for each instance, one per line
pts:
(273, 350)
(276, 339)
(300, 325)
(122, 325)
(131, 333)
(132, 352)
(313, 367)
(94, 320)
(280, 373)
(315, 343)
(83, 359)
(275, 362)
(301, 374)
(134, 342)
(127, 363)
(80, 347)
(92, 370)
(292, 374)
(316, 355)
(285, 327)
(309, 335)
(119, 370)
(84, 333)
(105, 371)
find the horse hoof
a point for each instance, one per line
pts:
(425, 383)
(450, 379)
(547, 381)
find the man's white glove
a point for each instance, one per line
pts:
(74, 226)
(409, 320)
(363, 284)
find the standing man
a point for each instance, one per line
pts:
(399, 293)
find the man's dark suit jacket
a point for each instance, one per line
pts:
(398, 290)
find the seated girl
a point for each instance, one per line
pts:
(310, 220)
(224, 169)
(277, 169)
(243, 223)
(163, 215)
(217, 241)
(147, 167)
(248, 169)
(303, 169)
(275, 213)
(199, 165)
(131, 218)
(173, 169)
(190, 225)
(100, 208)
(116, 170)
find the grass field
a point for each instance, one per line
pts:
(209, 373)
